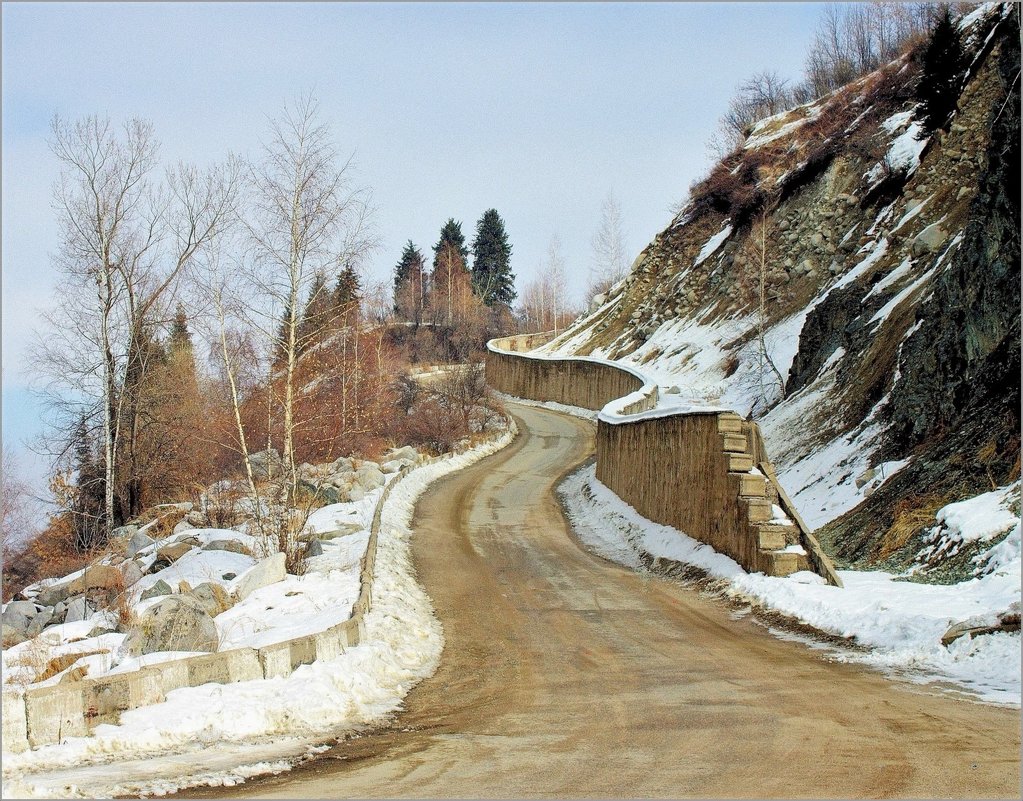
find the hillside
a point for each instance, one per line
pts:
(883, 266)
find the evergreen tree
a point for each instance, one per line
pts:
(317, 312)
(492, 278)
(410, 284)
(450, 274)
(451, 236)
(942, 65)
(180, 336)
(347, 292)
(88, 513)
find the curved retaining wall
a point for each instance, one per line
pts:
(46, 715)
(703, 472)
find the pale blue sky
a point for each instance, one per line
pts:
(536, 110)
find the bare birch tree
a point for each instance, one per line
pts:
(304, 216)
(609, 252)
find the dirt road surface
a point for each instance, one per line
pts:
(566, 676)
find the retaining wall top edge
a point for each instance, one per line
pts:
(607, 414)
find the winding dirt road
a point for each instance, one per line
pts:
(567, 676)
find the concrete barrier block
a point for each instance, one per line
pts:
(173, 675)
(350, 636)
(145, 687)
(54, 714)
(210, 669)
(243, 664)
(303, 651)
(15, 723)
(328, 644)
(106, 698)
(275, 660)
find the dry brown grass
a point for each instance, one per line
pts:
(911, 515)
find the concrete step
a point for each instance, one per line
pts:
(774, 537)
(729, 423)
(781, 564)
(734, 443)
(758, 510)
(749, 485)
(739, 462)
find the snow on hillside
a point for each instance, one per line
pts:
(900, 623)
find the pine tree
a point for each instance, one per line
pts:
(492, 278)
(942, 65)
(410, 284)
(347, 292)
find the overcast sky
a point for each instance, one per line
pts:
(537, 110)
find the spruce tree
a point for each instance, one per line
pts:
(942, 65)
(492, 278)
(317, 312)
(409, 283)
(450, 274)
(347, 292)
(451, 236)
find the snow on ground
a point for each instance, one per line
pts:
(271, 718)
(900, 623)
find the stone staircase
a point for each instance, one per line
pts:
(772, 541)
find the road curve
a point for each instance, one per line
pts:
(566, 676)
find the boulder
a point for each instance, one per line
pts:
(369, 477)
(40, 621)
(356, 493)
(407, 452)
(266, 462)
(182, 526)
(173, 551)
(53, 594)
(131, 571)
(394, 466)
(11, 636)
(213, 598)
(342, 530)
(79, 609)
(123, 532)
(929, 240)
(314, 548)
(138, 541)
(160, 588)
(325, 493)
(174, 623)
(97, 577)
(19, 614)
(262, 574)
(1009, 620)
(227, 545)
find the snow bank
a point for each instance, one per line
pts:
(900, 622)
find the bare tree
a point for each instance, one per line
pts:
(758, 252)
(609, 252)
(304, 216)
(126, 239)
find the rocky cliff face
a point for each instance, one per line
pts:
(854, 284)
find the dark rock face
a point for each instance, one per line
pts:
(967, 344)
